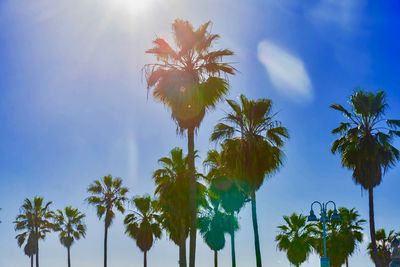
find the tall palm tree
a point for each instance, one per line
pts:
(71, 227)
(383, 241)
(228, 190)
(365, 145)
(252, 148)
(212, 224)
(107, 195)
(34, 221)
(143, 224)
(343, 236)
(296, 238)
(189, 77)
(173, 192)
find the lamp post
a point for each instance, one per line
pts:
(324, 219)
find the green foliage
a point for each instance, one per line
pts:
(143, 224)
(296, 238)
(189, 77)
(383, 241)
(70, 225)
(107, 195)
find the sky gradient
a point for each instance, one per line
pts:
(74, 107)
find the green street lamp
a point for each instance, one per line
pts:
(324, 219)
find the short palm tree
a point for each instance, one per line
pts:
(143, 224)
(212, 225)
(383, 241)
(107, 195)
(343, 236)
(365, 144)
(228, 190)
(34, 221)
(173, 192)
(252, 148)
(189, 77)
(71, 227)
(296, 238)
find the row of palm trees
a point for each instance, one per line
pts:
(298, 239)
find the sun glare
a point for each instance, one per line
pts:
(135, 7)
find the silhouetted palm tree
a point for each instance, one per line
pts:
(383, 241)
(228, 190)
(143, 224)
(107, 195)
(71, 227)
(251, 150)
(212, 224)
(190, 79)
(173, 192)
(34, 221)
(365, 144)
(343, 236)
(296, 238)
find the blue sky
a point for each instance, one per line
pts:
(74, 107)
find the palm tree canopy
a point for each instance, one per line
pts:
(296, 238)
(143, 223)
(33, 223)
(252, 140)
(343, 236)
(383, 242)
(70, 225)
(189, 77)
(172, 190)
(366, 137)
(106, 195)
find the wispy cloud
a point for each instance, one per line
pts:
(286, 71)
(342, 13)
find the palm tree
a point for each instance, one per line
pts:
(71, 227)
(34, 221)
(228, 190)
(143, 224)
(190, 79)
(383, 241)
(107, 195)
(343, 236)
(296, 238)
(173, 192)
(212, 224)
(365, 145)
(251, 149)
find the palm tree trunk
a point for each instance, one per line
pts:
(31, 260)
(37, 254)
(145, 259)
(182, 253)
(233, 252)
(215, 258)
(105, 245)
(347, 261)
(255, 229)
(372, 227)
(193, 204)
(69, 256)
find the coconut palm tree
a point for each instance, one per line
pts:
(173, 192)
(365, 144)
(383, 241)
(343, 236)
(107, 195)
(212, 225)
(34, 221)
(252, 148)
(143, 224)
(189, 77)
(296, 238)
(71, 227)
(228, 191)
